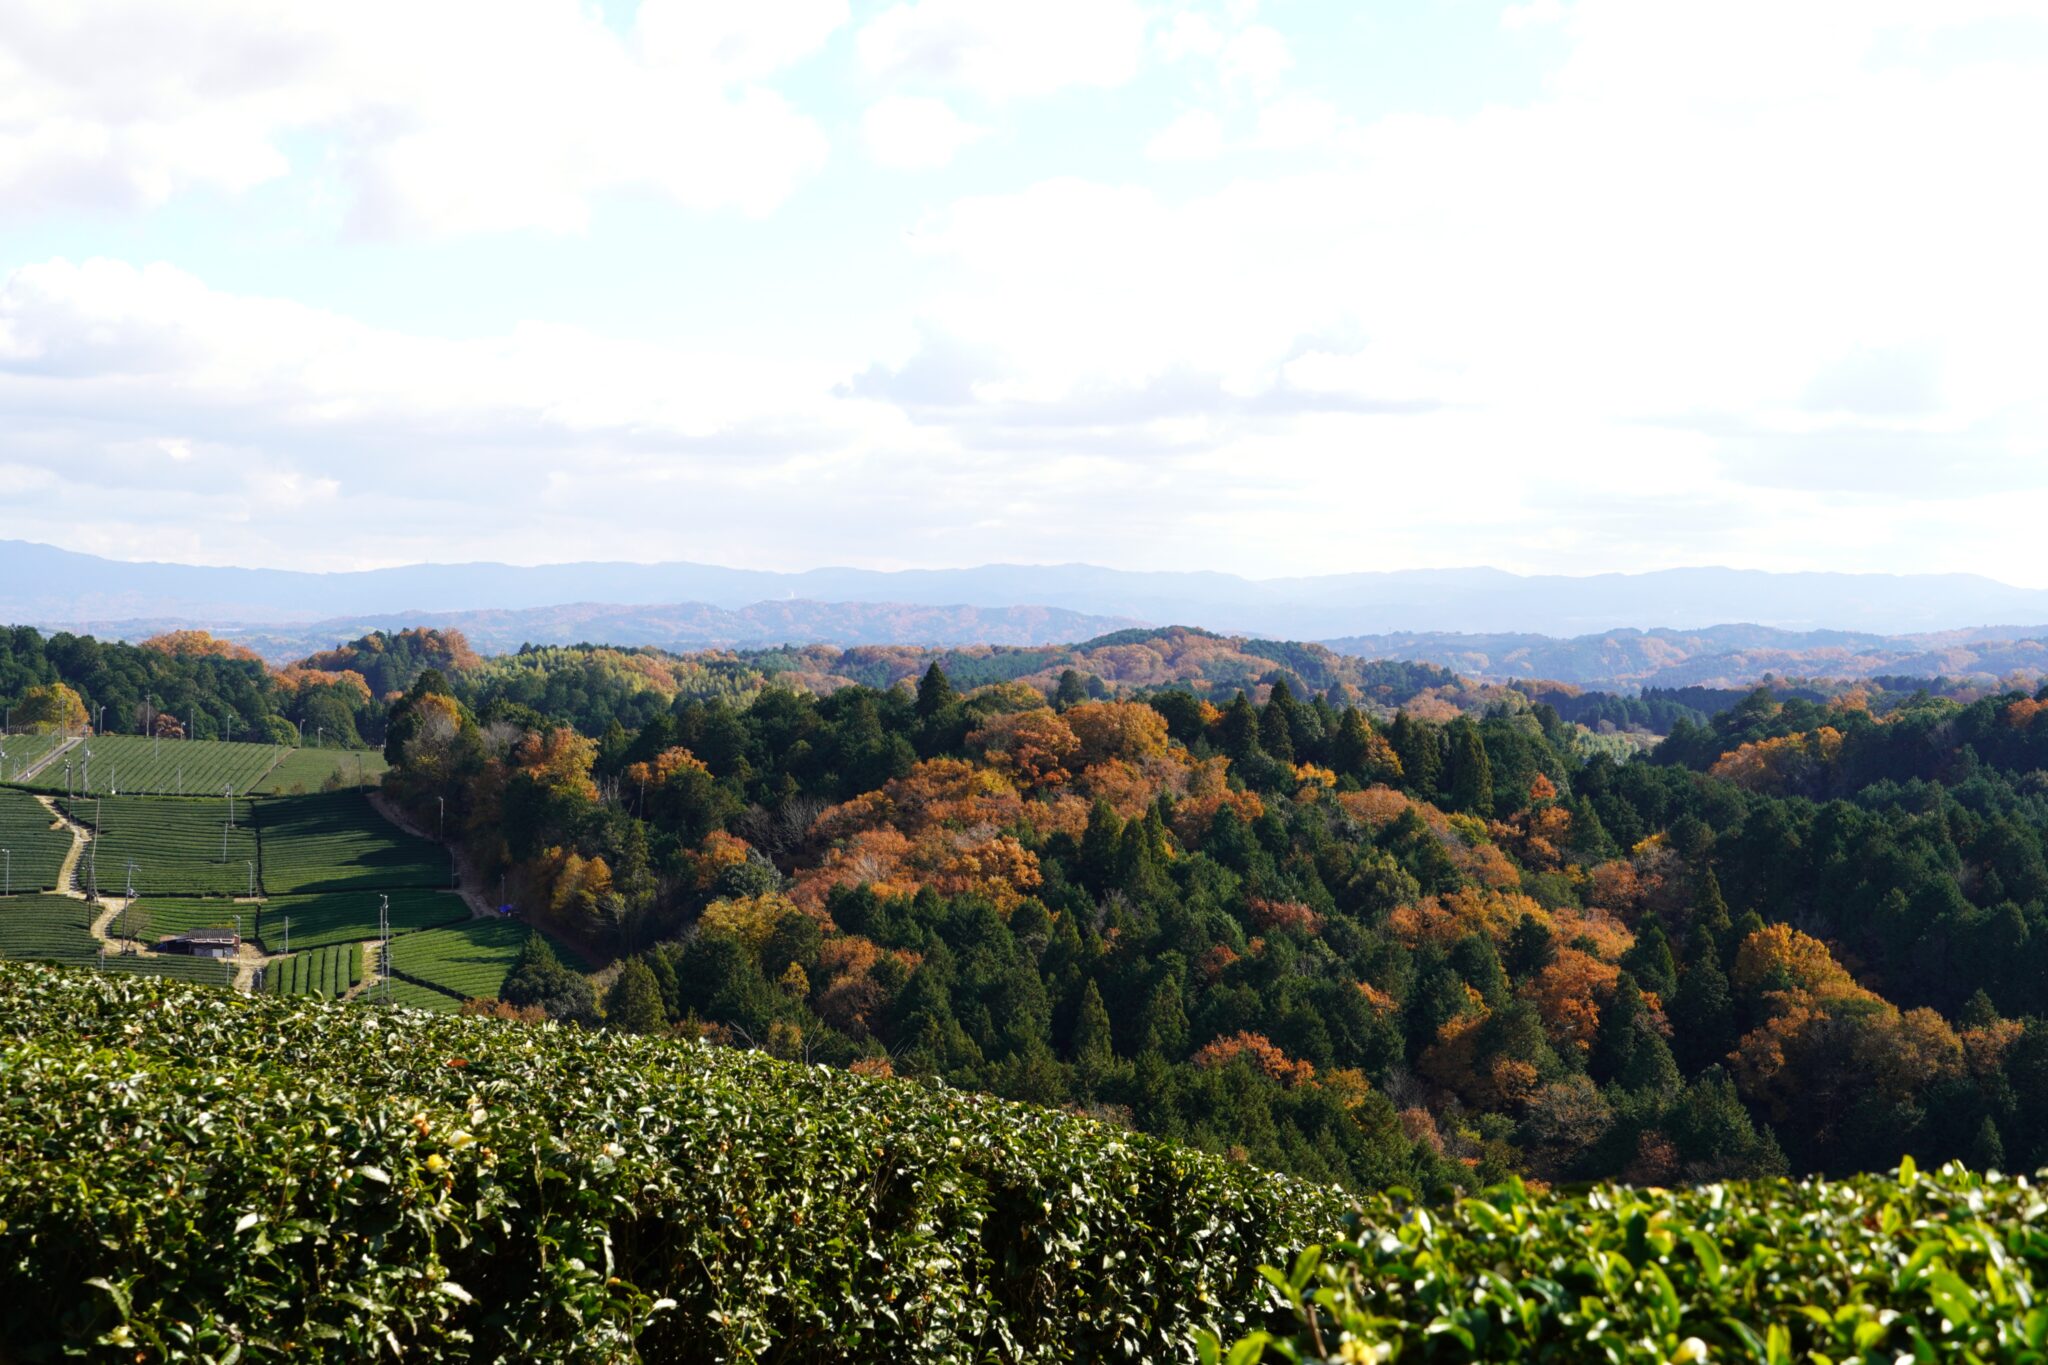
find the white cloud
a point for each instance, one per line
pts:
(1194, 135)
(915, 132)
(731, 43)
(462, 116)
(1255, 58)
(1189, 34)
(1608, 251)
(1532, 14)
(1005, 49)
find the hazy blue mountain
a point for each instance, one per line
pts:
(42, 584)
(1719, 656)
(679, 626)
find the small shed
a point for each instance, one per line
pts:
(203, 943)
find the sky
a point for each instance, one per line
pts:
(1271, 287)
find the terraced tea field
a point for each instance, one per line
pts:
(469, 961)
(176, 845)
(350, 916)
(54, 927)
(137, 765)
(308, 770)
(35, 841)
(59, 929)
(205, 971)
(19, 753)
(325, 971)
(338, 842)
(406, 995)
(155, 918)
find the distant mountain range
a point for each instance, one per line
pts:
(681, 627)
(1719, 656)
(40, 584)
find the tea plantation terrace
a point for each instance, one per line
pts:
(299, 890)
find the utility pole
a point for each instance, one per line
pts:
(93, 867)
(252, 879)
(7, 879)
(384, 944)
(287, 935)
(130, 893)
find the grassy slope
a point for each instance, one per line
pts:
(573, 1196)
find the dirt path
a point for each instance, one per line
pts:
(80, 836)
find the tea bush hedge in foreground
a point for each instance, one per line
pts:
(197, 1174)
(1948, 1266)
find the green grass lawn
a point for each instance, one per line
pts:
(36, 842)
(176, 845)
(338, 842)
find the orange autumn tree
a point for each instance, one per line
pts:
(1828, 1043)
(1569, 994)
(1791, 765)
(1127, 730)
(559, 760)
(1262, 1054)
(199, 644)
(1034, 747)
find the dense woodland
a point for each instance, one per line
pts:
(1370, 929)
(1800, 937)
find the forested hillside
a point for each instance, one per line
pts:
(1359, 948)
(190, 680)
(1364, 923)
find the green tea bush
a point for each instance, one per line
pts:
(470, 960)
(36, 842)
(1917, 1267)
(338, 842)
(197, 1175)
(177, 846)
